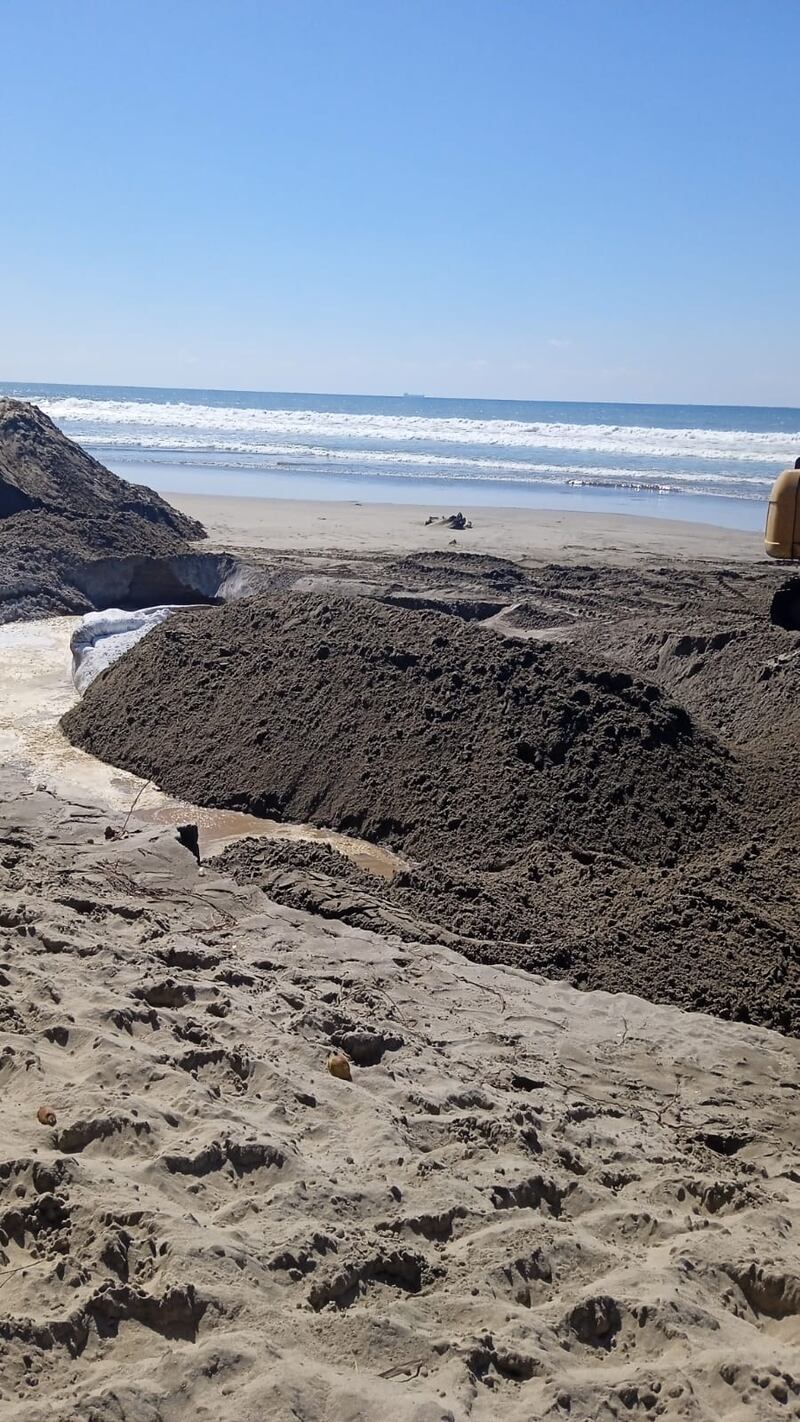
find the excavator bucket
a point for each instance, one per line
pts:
(782, 535)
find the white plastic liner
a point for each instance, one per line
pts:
(102, 637)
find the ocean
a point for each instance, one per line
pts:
(705, 463)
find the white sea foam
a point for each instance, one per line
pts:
(151, 423)
(439, 466)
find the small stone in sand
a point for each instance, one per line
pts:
(339, 1066)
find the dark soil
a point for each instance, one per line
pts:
(60, 509)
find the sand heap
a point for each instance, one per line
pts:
(560, 815)
(408, 727)
(61, 510)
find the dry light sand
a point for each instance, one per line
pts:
(528, 1202)
(308, 526)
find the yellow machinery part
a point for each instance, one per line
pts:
(782, 534)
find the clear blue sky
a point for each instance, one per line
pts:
(565, 199)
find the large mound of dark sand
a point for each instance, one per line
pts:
(559, 815)
(40, 468)
(60, 510)
(414, 728)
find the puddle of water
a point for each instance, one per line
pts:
(218, 828)
(36, 689)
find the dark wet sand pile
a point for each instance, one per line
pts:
(576, 807)
(411, 727)
(61, 510)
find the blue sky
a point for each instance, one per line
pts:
(557, 199)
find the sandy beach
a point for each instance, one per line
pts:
(328, 527)
(565, 741)
(527, 1202)
(399, 712)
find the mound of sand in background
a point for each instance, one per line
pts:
(561, 815)
(61, 509)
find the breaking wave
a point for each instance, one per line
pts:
(189, 426)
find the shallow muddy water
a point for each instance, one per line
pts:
(36, 689)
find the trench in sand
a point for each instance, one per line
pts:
(36, 689)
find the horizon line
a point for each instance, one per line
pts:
(405, 395)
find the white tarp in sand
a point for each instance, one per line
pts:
(102, 637)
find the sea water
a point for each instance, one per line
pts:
(706, 463)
